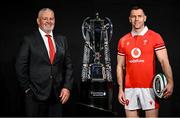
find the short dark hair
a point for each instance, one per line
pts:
(136, 8)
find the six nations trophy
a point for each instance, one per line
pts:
(96, 82)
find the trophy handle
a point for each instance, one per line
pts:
(85, 26)
(109, 27)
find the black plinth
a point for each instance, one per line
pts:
(84, 110)
(97, 93)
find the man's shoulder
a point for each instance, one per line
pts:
(126, 37)
(153, 33)
(31, 34)
(60, 37)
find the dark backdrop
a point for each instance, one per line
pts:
(18, 19)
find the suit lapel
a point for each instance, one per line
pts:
(42, 46)
(59, 49)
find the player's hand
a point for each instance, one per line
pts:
(121, 97)
(168, 90)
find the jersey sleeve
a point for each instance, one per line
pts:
(121, 51)
(158, 43)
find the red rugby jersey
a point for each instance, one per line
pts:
(139, 52)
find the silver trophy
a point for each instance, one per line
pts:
(97, 34)
(96, 70)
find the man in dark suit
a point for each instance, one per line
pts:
(44, 68)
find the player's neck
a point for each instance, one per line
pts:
(138, 30)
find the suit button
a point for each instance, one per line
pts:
(50, 76)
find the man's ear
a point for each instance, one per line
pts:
(145, 17)
(130, 20)
(37, 21)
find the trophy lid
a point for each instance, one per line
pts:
(97, 16)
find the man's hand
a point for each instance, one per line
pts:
(121, 97)
(168, 90)
(64, 95)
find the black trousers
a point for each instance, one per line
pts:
(51, 107)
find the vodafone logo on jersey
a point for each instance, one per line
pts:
(136, 52)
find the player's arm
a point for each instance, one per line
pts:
(164, 61)
(120, 76)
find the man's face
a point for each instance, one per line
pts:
(137, 18)
(46, 21)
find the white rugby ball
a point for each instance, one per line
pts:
(159, 83)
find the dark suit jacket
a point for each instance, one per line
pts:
(35, 71)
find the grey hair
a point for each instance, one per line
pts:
(43, 10)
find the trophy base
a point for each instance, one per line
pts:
(97, 93)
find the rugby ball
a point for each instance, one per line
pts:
(159, 84)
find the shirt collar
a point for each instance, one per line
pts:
(43, 33)
(133, 33)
